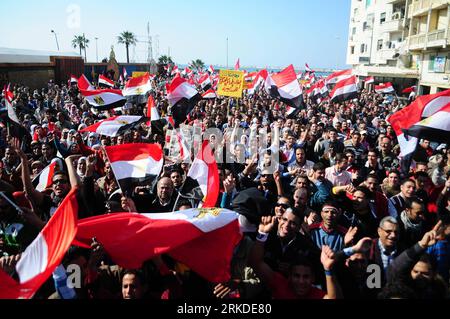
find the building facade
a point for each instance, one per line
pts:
(401, 41)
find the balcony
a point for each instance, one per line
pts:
(417, 42)
(436, 39)
(392, 26)
(385, 54)
(420, 7)
(433, 39)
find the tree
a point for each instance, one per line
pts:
(81, 42)
(164, 59)
(197, 64)
(128, 38)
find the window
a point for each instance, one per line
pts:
(431, 63)
(383, 18)
(379, 45)
(353, 31)
(352, 49)
(363, 48)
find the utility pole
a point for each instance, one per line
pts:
(96, 50)
(227, 52)
(149, 48)
(56, 38)
(84, 45)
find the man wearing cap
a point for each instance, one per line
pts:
(328, 232)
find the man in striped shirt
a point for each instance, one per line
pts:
(396, 204)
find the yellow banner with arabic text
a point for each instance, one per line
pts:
(230, 83)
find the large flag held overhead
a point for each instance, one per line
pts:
(384, 88)
(205, 82)
(105, 82)
(182, 97)
(338, 76)
(115, 125)
(84, 84)
(135, 164)
(137, 86)
(345, 90)
(284, 86)
(435, 128)
(44, 254)
(204, 171)
(425, 106)
(104, 99)
(369, 80)
(202, 239)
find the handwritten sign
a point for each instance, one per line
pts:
(231, 83)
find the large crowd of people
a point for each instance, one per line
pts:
(331, 211)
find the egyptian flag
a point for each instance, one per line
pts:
(104, 99)
(424, 107)
(84, 84)
(184, 153)
(73, 79)
(292, 112)
(369, 80)
(202, 239)
(121, 79)
(44, 254)
(103, 81)
(307, 68)
(205, 82)
(211, 69)
(135, 164)
(284, 86)
(260, 78)
(210, 94)
(204, 170)
(186, 71)
(237, 66)
(44, 180)
(152, 112)
(182, 97)
(409, 90)
(344, 90)
(16, 129)
(115, 125)
(137, 86)
(435, 128)
(338, 76)
(125, 74)
(175, 70)
(384, 88)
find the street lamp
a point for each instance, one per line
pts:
(96, 49)
(56, 38)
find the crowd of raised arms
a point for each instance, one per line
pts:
(338, 217)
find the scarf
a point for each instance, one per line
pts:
(409, 225)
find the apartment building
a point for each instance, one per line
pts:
(377, 42)
(429, 44)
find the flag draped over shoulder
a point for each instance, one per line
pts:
(44, 254)
(203, 239)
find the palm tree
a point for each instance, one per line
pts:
(128, 38)
(164, 59)
(197, 64)
(81, 42)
